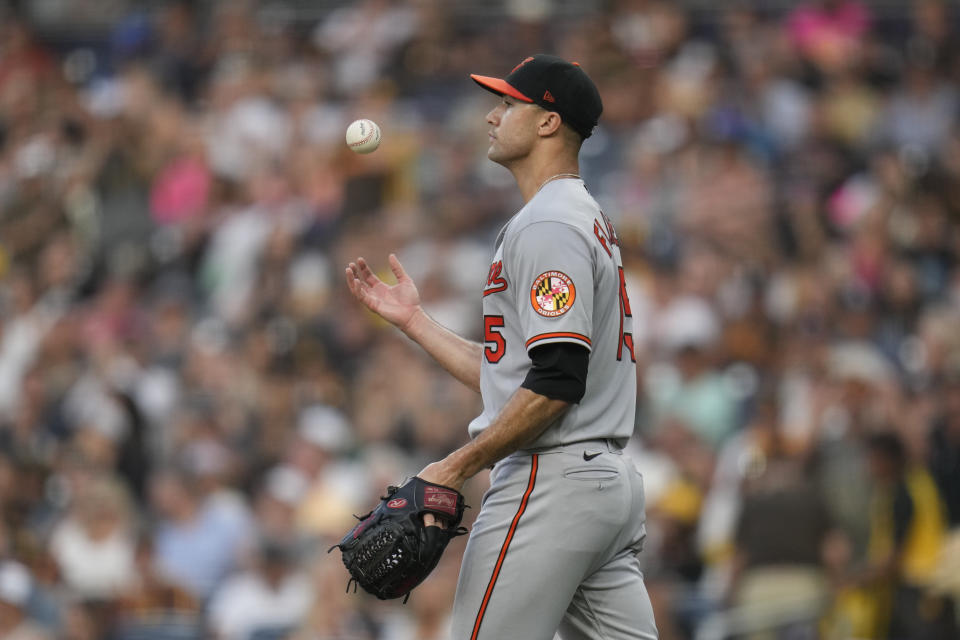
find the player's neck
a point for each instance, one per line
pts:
(534, 176)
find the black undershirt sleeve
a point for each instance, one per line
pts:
(559, 371)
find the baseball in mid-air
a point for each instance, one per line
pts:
(363, 136)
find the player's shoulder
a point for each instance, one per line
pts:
(565, 202)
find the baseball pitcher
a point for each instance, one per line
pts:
(555, 543)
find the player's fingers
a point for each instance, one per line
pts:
(431, 520)
(353, 273)
(351, 277)
(396, 267)
(366, 273)
(357, 287)
(357, 268)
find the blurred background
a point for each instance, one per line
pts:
(192, 406)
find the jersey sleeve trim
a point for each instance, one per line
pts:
(558, 336)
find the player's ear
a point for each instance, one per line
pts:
(550, 123)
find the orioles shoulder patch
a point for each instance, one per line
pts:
(552, 294)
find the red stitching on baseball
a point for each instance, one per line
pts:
(366, 138)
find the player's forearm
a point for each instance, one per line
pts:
(460, 357)
(525, 416)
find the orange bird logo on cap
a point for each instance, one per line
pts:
(521, 64)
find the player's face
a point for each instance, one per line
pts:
(513, 130)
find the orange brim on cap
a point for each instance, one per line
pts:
(499, 86)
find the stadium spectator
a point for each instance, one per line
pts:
(266, 601)
(15, 586)
(94, 545)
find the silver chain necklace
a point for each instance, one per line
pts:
(559, 175)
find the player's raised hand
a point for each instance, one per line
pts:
(397, 303)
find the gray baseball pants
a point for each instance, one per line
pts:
(554, 549)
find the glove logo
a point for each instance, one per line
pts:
(440, 499)
(552, 294)
(397, 503)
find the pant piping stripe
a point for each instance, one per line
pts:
(503, 549)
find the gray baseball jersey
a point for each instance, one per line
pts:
(554, 545)
(557, 277)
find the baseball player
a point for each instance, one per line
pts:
(554, 545)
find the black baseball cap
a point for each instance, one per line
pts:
(554, 84)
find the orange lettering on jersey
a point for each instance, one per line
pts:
(626, 337)
(611, 232)
(495, 282)
(552, 294)
(602, 237)
(606, 234)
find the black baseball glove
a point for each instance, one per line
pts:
(391, 551)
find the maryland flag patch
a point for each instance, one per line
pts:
(552, 294)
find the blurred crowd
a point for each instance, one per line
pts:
(192, 407)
